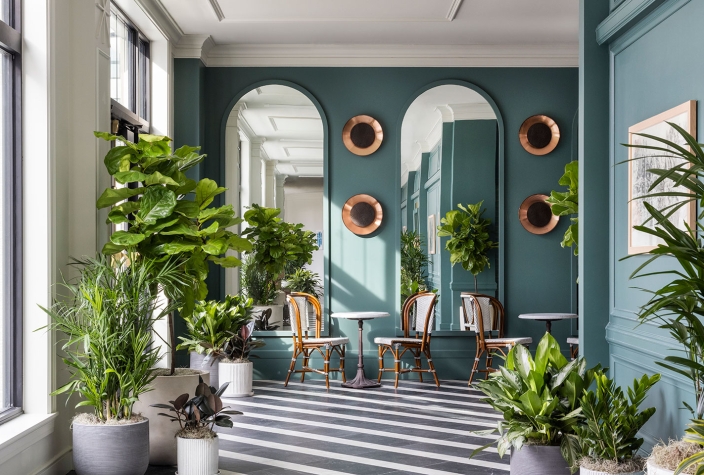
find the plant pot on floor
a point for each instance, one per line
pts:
(197, 456)
(586, 471)
(162, 440)
(239, 375)
(203, 363)
(111, 449)
(538, 460)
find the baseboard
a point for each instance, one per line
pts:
(60, 465)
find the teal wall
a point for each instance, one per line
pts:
(652, 70)
(363, 271)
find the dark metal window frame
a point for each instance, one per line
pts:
(11, 42)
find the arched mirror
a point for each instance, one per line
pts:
(274, 143)
(450, 155)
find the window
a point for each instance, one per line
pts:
(10, 212)
(130, 80)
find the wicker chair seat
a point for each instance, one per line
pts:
(573, 340)
(393, 341)
(326, 341)
(509, 341)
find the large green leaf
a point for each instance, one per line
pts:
(157, 178)
(112, 196)
(126, 238)
(158, 202)
(228, 261)
(206, 191)
(189, 209)
(130, 176)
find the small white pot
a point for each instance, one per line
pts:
(239, 375)
(586, 471)
(652, 469)
(197, 456)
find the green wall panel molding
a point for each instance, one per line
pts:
(628, 13)
(362, 273)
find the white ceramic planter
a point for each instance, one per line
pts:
(586, 471)
(277, 314)
(124, 448)
(198, 456)
(239, 375)
(655, 470)
(199, 362)
(162, 440)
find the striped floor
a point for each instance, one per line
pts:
(303, 429)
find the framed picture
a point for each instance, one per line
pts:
(432, 234)
(640, 179)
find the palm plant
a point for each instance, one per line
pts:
(306, 281)
(106, 320)
(257, 283)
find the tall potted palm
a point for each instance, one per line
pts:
(106, 323)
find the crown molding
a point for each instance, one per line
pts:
(194, 46)
(472, 111)
(264, 55)
(162, 19)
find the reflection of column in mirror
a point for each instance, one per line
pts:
(232, 195)
(255, 171)
(279, 196)
(269, 175)
(245, 172)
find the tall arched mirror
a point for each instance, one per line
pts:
(274, 157)
(450, 154)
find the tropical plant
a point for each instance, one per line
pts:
(414, 263)
(201, 413)
(239, 347)
(257, 283)
(213, 323)
(566, 203)
(168, 214)
(612, 420)
(106, 320)
(469, 242)
(539, 398)
(694, 434)
(306, 281)
(261, 320)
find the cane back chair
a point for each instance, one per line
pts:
(302, 327)
(484, 315)
(418, 315)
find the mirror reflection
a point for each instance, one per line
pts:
(449, 156)
(274, 157)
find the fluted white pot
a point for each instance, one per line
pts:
(197, 456)
(586, 471)
(239, 375)
(200, 362)
(652, 469)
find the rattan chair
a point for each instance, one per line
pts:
(418, 315)
(304, 323)
(484, 315)
(573, 341)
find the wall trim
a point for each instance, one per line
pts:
(60, 464)
(161, 18)
(24, 431)
(643, 27)
(623, 17)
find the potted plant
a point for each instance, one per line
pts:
(608, 432)
(260, 286)
(168, 214)
(209, 327)
(106, 322)
(540, 401)
(197, 442)
(306, 281)
(414, 263)
(235, 367)
(566, 203)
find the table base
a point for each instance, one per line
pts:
(361, 381)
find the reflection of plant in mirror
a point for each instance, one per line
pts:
(414, 262)
(306, 281)
(257, 283)
(567, 204)
(261, 320)
(469, 242)
(239, 347)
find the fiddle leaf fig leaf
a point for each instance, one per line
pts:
(206, 191)
(112, 196)
(126, 238)
(157, 203)
(157, 178)
(131, 176)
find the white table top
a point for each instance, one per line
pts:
(359, 315)
(548, 316)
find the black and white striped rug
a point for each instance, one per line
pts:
(303, 429)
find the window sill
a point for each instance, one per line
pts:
(22, 432)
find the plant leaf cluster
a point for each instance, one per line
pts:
(414, 264)
(612, 420)
(539, 398)
(306, 281)
(566, 203)
(256, 282)
(203, 411)
(106, 319)
(239, 347)
(694, 434)
(213, 323)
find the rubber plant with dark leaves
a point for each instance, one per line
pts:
(539, 399)
(198, 415)
(240, 346)
(168, 214)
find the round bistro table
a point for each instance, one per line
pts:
(548, 318)
(360, 381)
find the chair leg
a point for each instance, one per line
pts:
(292, 367)
(342, 364)
(489, 361)
(432, 366)
(381, 363)
(326, 367)
(306, 358)
(416, 356)
(397, 364)
(475, 367)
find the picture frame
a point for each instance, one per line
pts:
(639, 179)
(432, 234)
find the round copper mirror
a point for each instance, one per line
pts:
(362, 135)
(536, 215)
(362, 214)
(539, 135)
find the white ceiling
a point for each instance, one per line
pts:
(380, 22)
(289, 125)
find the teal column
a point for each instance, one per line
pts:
(408, 197)
(189, 106)
(446, 204)
(594, 185)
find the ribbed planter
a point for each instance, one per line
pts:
(538, 460)
(277, 314)
(239, 375)
(121, 449)
(162, 432)
(652, 469)
(199, 362)
(197, 456)
(586, 471)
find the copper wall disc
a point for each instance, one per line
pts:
(362, 214)
(362, 135)
(539, 135)
(536, 215)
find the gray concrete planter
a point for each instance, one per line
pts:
(162, 432)
(199, 362)
(121, 449)
(538, 460)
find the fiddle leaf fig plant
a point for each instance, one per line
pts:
(566, 203)
(167, 213)
(470, 241)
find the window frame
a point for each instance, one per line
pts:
(11, 42)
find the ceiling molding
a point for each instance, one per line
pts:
(454, 8)
(309, 55)
(472, 111)
(194, 46)
(446, 112)
(217, 10)
(434, 136)
(162, 19)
